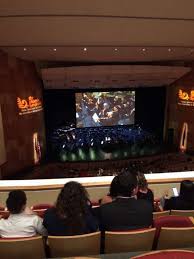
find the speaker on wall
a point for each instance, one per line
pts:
(2, 142)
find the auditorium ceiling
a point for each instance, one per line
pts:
(117, 76)
(98, 31)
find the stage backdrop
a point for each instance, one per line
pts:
(22, 114)
(60, 109)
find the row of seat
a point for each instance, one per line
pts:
(41, 208)
(89, 244)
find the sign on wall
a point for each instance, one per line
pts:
(186, 98)
(29, 105)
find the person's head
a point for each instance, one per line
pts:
(113, 187)
(72, 204)
(127, 184)
(186, 189)
(142, 182)
(16, 201)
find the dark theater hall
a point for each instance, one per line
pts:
(96, 129)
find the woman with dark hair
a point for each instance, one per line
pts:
(112, 192)
(185, 200)
(22, 222)
(143, 191)
(72, 214)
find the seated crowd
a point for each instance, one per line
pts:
(128, 205)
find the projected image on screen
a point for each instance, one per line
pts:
(105, 108)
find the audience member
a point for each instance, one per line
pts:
(72, 214)
(143, 191)
(185, 200)
(21, 222)
(125, 211)
(112, 192)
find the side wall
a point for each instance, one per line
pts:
(178, 114)
(19, 78)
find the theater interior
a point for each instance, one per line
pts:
(88, 88)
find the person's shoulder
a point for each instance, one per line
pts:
(144, 204)
(150, 191)
(50, 211)
(106, 199)
(108, 205)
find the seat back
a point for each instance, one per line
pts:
(188, 213)
(160, 214)
(15, 248)
(170, 238)
(4, 214)
(40, 212)
(139, 240)
(79, 245)
(42, 206)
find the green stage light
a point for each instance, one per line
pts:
(92, 154)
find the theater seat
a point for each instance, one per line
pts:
(188, 213)
(173, 221)
(2, 208)
(160, 214)
(170, 238)
(22, 248)
(4, 213)
(40, 212)
(42, 206)
(138, 240)
(79, 245)
(40, 209)
(170, 221)
(166, 254)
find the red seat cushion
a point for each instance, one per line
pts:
(42, 206)
(167, 254)
(172, 221)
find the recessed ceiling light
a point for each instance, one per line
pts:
(116, 49)
(169, 49)
(25, 49)
(85, 49)
(55, 49)
(143, 49)
(191, 50)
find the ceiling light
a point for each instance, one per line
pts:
(116, 49)
(55, 49)
(85, 49)
(143, 49)
(191, 50)
(169, 50)
(25, 49)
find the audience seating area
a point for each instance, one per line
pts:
(168, 162)
(89, 244)
(170, 230)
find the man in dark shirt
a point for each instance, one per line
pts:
(126, 212)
